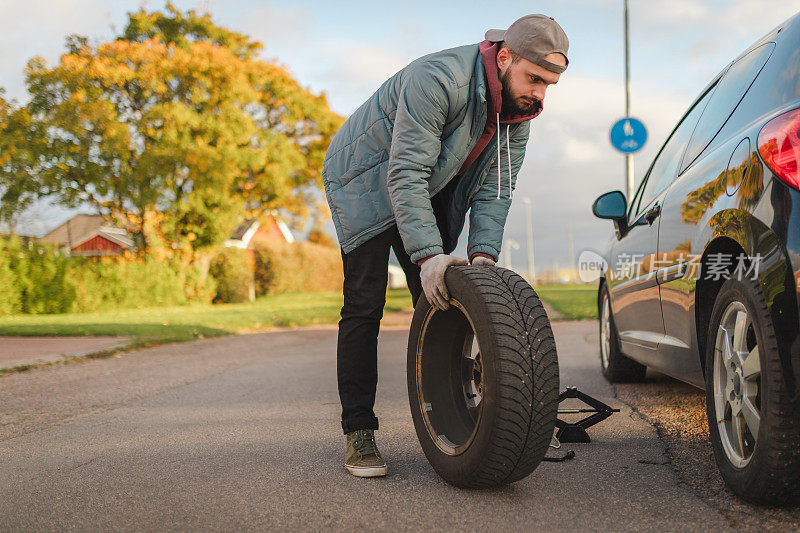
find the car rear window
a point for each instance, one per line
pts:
(730, 90)
(777, 85)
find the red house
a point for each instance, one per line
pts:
(92, 235)
(89, 235)
(251, 233)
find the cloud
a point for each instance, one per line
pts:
(725, 21)
(741, 15)
(581, 150)
(38, 27)
(278, 26)
(580, 110)
(665, 16)
(355, 71)
(347, 69)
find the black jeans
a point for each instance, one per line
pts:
(365, 279)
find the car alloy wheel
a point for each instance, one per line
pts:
(737, 384)
(616, 367)
(605, 331)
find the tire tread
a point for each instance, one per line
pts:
(528, 376)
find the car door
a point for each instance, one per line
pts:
(635, 296)
(632, 283)
(699, 191)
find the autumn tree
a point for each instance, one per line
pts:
(183, 29)
(747, 178)
(20, 144)
(319, 236)
(176, 130)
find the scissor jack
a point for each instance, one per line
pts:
(576, 431)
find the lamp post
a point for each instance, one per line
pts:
(529, 236)
(628, 157)
(511, 244)
(571, 237)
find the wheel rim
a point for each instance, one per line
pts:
(605, 332)
(451, 380)
(737, 384)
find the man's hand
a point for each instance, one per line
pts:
(482, 260)
(432, 277)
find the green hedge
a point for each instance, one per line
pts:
(34, 279)
(233, 271)
(294, 267)
(10, 295)
(114, 283)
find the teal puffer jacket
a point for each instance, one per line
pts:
(407, 143)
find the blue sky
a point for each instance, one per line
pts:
(347, 49)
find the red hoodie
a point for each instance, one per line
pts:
(489, 51)
(494, 102)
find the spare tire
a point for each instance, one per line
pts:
(483, 378)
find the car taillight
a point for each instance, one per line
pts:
(779, 146)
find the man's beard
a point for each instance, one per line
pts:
(516, 106)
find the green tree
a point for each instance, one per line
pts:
(175, 130)
(291, 120)
(183, 29)
(20, 144)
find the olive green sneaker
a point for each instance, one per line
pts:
(362, 458)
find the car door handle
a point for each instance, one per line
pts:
(652, 214)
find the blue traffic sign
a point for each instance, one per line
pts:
(628, 135)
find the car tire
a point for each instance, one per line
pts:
(616, 368)
(754, 423)
(483, 378)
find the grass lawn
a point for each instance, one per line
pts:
(575, 302)
(183, 323)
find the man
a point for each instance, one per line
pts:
(444, 135)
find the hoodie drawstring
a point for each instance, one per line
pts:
(498, 156)
(508, 153)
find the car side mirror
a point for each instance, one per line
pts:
(612, 205)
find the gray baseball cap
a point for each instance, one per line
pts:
(533, 37)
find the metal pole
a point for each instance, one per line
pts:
(628, 157)
(529, 235)
(571, 245)
(510, 244)
(627, 66)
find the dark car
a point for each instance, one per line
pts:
(702, 276)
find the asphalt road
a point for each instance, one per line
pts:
(243, 433)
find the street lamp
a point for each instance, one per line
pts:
(511, 244)
(529, 236)
(628, 157)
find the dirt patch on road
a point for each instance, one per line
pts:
(677, 410)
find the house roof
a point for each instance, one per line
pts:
(115, 235)
(241, 236)
(239, 233)
(287, 233)
(81, 228)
